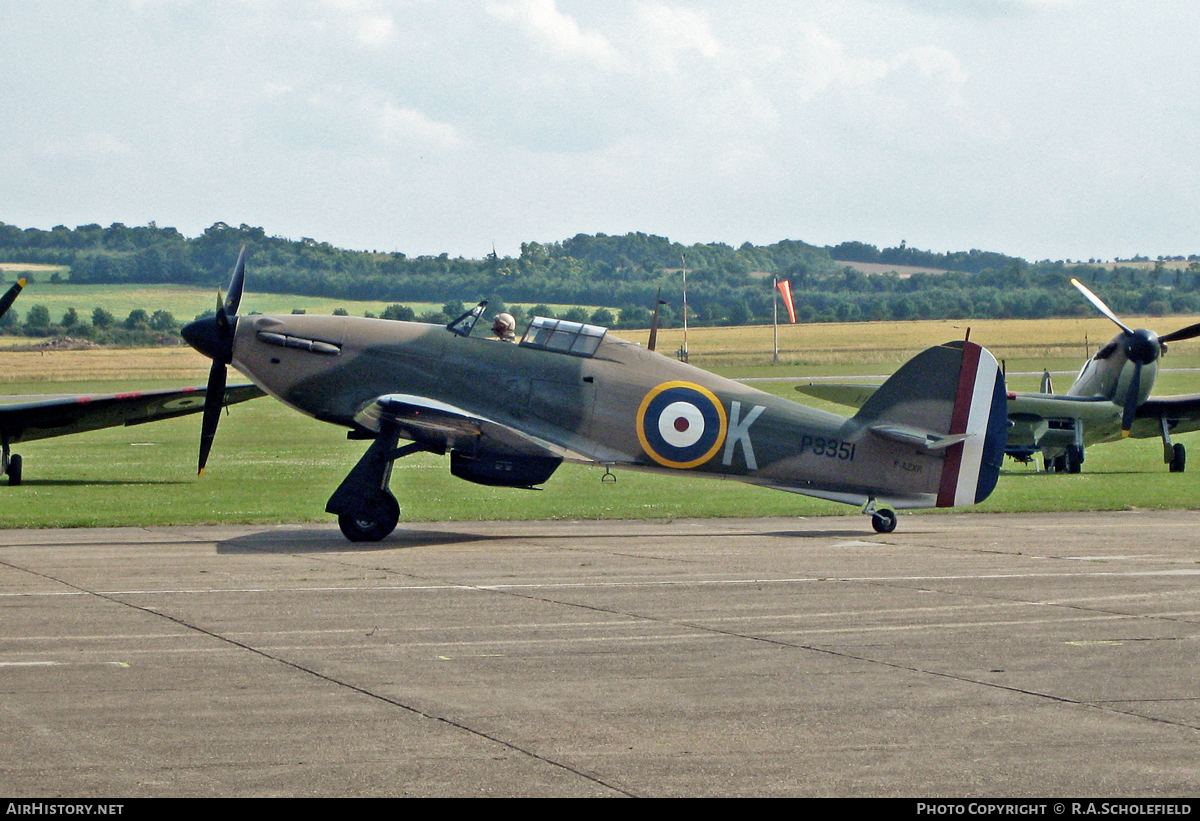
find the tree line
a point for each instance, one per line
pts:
(622, 274)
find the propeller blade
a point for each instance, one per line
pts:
(236, 282)
(1131, 399)
(214, 400)
(1098, 303)
(10, 296)
(658, 303)
(1190, 332)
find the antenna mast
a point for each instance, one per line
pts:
(683, 352)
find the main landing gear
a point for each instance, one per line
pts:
(12, 464)
(1175, 455)
(366, 509)
(1069, 461)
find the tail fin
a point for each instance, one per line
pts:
(949, 399)
(1047, 384)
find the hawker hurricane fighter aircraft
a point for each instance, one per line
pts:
(1109, 401)
(41, 417)
(508, 413)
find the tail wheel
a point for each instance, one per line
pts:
(371, 522)
(14, 469)
(883, 520)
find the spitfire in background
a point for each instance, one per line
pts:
(1110, 400)
(508, 414)
(41, 417)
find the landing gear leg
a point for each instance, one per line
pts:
(1174, 455)
(366, 509)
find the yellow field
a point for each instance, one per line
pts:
(174, 365)
(837, 343)
(31, 267)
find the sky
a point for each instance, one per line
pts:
(1047, 129)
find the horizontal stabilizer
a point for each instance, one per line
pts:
(919, 438)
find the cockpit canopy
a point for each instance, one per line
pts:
(564, 336)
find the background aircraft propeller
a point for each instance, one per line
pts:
(214, 338)
(1142, 347)
(10, 296)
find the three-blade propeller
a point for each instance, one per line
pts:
(214, 338)
(1141, 346)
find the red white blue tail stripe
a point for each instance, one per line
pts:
(972, 466)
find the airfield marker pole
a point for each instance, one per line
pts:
(685, 317)
(775, 316)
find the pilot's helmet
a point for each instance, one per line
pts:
(504, 325)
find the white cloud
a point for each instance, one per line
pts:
(374, 29)
(677, 29)
(932, 62)
(399, 124)
(95, 144)
(560, 32)
(818, 62)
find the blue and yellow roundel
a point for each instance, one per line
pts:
(681, 425)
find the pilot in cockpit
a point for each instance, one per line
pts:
(505, 328)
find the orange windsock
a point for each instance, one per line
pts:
(785, 288)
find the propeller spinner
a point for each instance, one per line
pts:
(1141, 346)
(213, 337)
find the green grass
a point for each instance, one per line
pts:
(272, 465)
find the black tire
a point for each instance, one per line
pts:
(1073, 459)
(884, 521)
(14, 470)
(373, 521)
(1179, 458)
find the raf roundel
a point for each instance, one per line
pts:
(681, 425)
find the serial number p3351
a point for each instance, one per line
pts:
(833, 448)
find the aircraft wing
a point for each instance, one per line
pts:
(46, 416)
(443, 427)
(1183, 412)
(851, 395)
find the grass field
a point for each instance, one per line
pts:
(272, 465)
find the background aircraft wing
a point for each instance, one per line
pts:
(851, 395)
(1183, 412)
(46, 416)
(1040, 420)
(443, 427)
